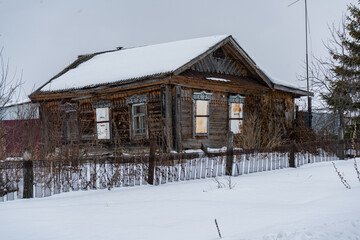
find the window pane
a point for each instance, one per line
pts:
(103, 130)
(139, 109)
(202, 107)
(236, 110)
(236, 126)
(139, 125)
(201, 125)
(102, 114)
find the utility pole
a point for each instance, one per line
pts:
(307, 68)
(309, 118)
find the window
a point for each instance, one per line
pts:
(201, 113)
(70, 122)
(71, 132)
(236, 105)
(201, 117)
(139, 120)
(219, 54)
(139, 126)
(102, 123)
(236, 117)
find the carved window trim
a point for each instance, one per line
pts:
(137, 99)
(202, 96)
(101, 104)
(69, 107)
(236, 99)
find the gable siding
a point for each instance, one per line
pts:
(210, 64)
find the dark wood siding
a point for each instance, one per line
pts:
(218, 120)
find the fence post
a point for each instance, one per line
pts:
(292, 155)
(230, 154)
(28, 172)
(151, 169)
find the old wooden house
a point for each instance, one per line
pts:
(182, 94)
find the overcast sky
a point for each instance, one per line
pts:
(41, 37)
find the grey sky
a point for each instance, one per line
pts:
(41, 37)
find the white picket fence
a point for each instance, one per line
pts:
(107, 175)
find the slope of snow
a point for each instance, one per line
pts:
(304, 203)
(133, 63)
(292, 84)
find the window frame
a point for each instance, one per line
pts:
(233, 99)
(134, 116)
(202, 96)
(105, 105)
(134, 101)
(70, 125)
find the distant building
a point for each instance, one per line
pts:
(324, 123)
(20, 128)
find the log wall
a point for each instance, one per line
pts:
(218, 120)
(53, 119)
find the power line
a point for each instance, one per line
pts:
(293, 3)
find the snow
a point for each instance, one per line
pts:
(292, 84)
(133, 63)
(303, 203)
(24, 110)
(194, 151)
(17, 102)
(218, 79)
(216, 150)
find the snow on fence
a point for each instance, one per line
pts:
(54, 177)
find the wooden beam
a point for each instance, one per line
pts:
(200, 83)
(168, 118)
(177, 129)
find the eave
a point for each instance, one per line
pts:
(296, 91)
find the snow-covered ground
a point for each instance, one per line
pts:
(304, 203)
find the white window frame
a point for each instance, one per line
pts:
(102, 115)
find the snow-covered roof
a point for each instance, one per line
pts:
(295, 87)
(132, 63)
(14, 102)
(159, 60)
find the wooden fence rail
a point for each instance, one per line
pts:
(54, 177)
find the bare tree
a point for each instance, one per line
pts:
(10, 82)
(338, 89)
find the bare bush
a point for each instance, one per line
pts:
(253, 135)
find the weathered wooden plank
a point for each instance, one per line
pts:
(168, 120)
(178, 144)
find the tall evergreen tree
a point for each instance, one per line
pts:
(343, 70)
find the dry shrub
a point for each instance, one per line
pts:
(255, 135)
(300, 133)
